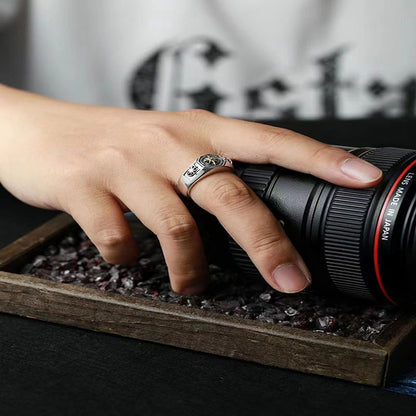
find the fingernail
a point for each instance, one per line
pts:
(289, 278)
(361, 170)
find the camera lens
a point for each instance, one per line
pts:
(360, 242)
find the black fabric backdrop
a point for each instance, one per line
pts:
(48, 369)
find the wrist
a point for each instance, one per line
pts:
(16, 112)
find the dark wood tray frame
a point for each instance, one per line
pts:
(371, 363)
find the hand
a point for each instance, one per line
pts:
(96, 162)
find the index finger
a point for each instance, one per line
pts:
(252, 142)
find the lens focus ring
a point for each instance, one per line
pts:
(343, 229)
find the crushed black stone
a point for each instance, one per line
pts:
(75, 260)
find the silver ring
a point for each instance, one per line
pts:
(203, 166)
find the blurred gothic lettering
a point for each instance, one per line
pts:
(159, 83)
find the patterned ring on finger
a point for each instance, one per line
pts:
(203, 166)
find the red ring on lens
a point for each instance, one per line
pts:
(378, 230)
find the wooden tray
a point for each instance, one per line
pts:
(372, 363)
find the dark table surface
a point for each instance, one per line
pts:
(49, 369)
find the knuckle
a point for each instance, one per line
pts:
(178, 227)
(74, 172)
(232, 194)
(159, 135)
(113, 155)
(196, 114)
(111, 238)
(266, 242)
(109, 162)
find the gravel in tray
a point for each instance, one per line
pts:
(75, 260)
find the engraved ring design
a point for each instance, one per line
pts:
(203, 166)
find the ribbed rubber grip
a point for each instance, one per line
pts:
(258, 178)
(343, 229)
(386, 157)
(342, 240)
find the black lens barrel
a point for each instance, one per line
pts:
(337, 229)
(360, 242)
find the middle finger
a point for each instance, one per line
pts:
(253, 226)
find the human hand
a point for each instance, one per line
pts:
(96, 162)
